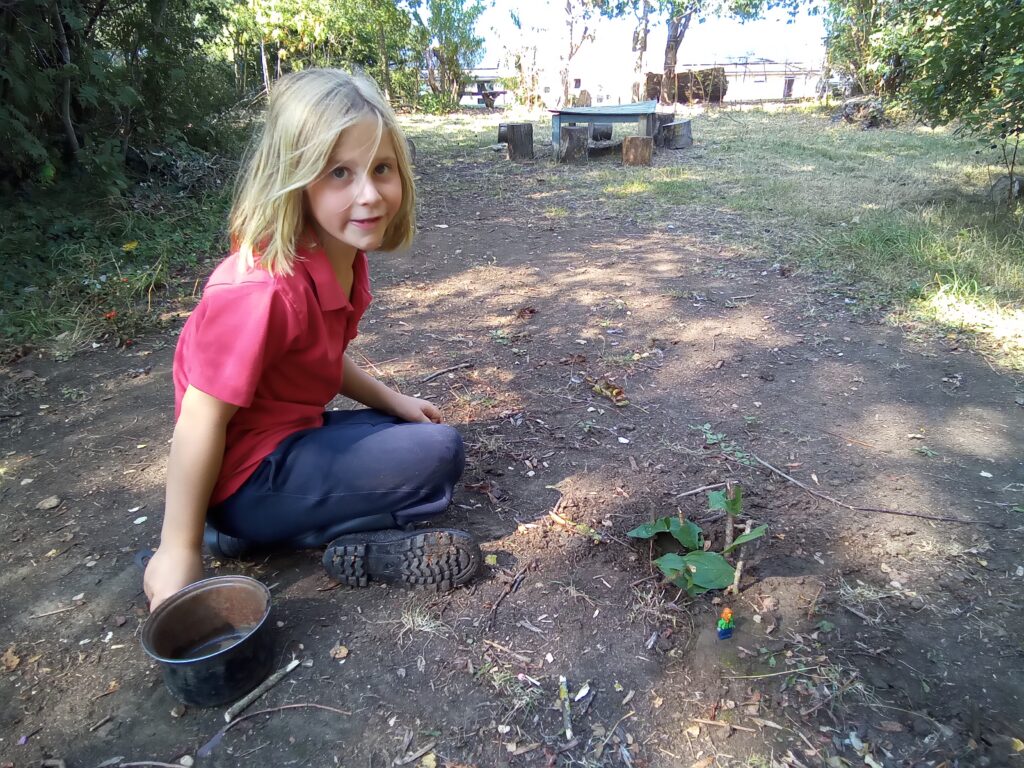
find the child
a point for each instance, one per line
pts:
(254, 456)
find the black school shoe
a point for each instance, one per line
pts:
(435, 558)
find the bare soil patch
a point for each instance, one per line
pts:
(863, 638)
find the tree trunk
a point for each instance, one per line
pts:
(263, 61)
(573, 143)
(640, 48)
(382, 55)
(637, 150)
(677, 27)
(520, 141)
(70, 140)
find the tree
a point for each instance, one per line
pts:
(578, 14)
(521, 55)
(453, 46)
(969, 66)
(677, 16)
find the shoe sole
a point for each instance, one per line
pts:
(440, 559)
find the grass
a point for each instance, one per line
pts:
(897, 215)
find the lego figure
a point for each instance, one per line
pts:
(725, 624)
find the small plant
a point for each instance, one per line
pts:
(728, 448)
(924, 450)
(698, 571)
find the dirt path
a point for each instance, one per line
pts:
(862, 637)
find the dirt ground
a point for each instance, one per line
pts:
(862, 638)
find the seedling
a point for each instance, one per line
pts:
(698, 571)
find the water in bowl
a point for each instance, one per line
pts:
(212, 645)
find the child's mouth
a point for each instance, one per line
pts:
(366, 223)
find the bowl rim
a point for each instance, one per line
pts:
(212, 582)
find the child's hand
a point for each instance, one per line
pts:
(414, 409)
(171, 569)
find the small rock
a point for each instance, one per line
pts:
(178, 711)
(186, 760)
(120, 621)
(50, 502)
(916, 603)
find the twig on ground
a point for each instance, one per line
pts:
(730, 494)
(207, 749)
(734, 588)
(611, 731)
(851, 440)
(722, 724)
(695, 491)
(415, 755)
(770, 674)
(511, 587)
(53, 613)
(838, 503)
(509, 651)
(239, 706)
(814, 602)
(443, 371)
(379, 372)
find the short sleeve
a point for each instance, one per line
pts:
(243, 329)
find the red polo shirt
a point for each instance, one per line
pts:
(273, 346)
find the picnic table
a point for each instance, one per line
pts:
(642, 113)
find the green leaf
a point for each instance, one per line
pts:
(826, 626)
(744, 538)
(648, 530)
(686, 532)
(671, 564)
(720, 500)
(709, 570)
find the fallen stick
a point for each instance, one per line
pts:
(207, 749)
(611, 732)
(563, 698)
(838, 503)
(695, 491)
(720, 724)
(239, 706)
(581, 528)
(734, 588)
(511, 587)
(53, 613)
(415, 755)
(443, 371)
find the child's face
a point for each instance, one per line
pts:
(356, 197)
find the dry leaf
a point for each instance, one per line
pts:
(707, 762)
(611, 390)
(1018, 745)
(429, 761)
(11, 659)
(890, 726)
(50, 502)
(339, 652)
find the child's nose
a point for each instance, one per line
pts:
(368, 192)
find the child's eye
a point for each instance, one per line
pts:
(382, 168)
(340, 173)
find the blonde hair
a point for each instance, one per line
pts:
(307, 112)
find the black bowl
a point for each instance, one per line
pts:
(212, 640)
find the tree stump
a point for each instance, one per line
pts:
(573, 141)
(601, 131)
(502, 133)
(677, 135)
(412, 151)
(637, 150)
(520, 141)
(661, 119)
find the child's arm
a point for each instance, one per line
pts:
(197, 451)
(363, 388)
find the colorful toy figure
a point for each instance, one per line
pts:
(725, 624)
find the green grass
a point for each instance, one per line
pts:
(92, 265)
(901, 214)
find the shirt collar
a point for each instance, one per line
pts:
(328, 291)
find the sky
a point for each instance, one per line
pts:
(774, 37)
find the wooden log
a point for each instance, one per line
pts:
(502, 133)
(601, 131)
(573, 143)
(660, 121)
(637, 150)
(677, 135)
(520, 141)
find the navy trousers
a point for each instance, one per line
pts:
(362, 470)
